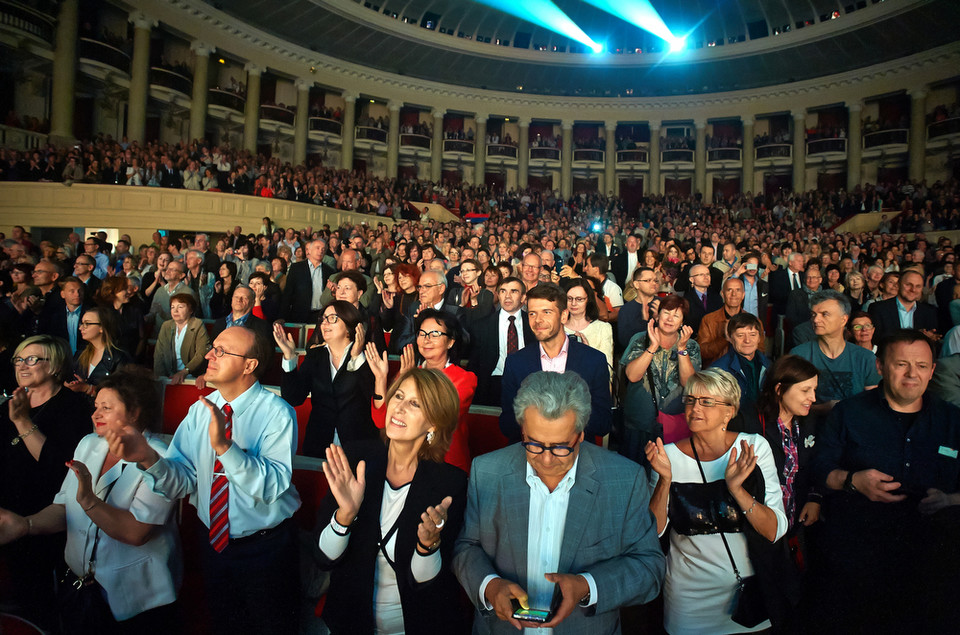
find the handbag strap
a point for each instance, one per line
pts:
(92, 563)
(733, 563)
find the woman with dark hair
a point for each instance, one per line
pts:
(408, 277)
(21, 276)
(392, 516)
(578, 259)
(40, 427)
(438, 347)
(337, 377)
(115, 293)
(784, 405)
(223, 289)
(113, 518)
(394, 313)
(661, 360)
(584, 318)
(100, 329)
(491, 280)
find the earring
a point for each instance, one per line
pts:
(430, 437)
(724, 428)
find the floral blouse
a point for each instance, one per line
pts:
(665, 365)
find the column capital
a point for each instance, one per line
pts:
(918, 93)
(747, 120)
(394, 106)
(438, 113)
(481, 117)
(855, 106)
(610, 126)
(700, 124)
(654, 124)
(202, 49)
(523, 123)
(141, 20)
(566, 124)
(349, 97)
(799, 114)
(304, 84)
(252, 69)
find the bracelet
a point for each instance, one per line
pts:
(97, 502)
(430, 550)
(29, 520)
(20, 437)
(750, 511)
(340, 530)
(647, 350)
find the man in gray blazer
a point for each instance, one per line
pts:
(581, 509)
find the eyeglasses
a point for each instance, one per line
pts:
(219, 352)
(860, 327)
(421, 287)
(89, 324)
(431, 335)
(706, 402)
(574, 300)
(31, 361)
(333, 318)
(559, 451)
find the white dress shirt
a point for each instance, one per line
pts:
(502, 326)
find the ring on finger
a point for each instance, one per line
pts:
(440, 524)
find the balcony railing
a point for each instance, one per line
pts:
(105, 54)
(458, 145)
(500, 150)
(897, 136)
(172, 80)
(39, 22)
(278, 114)
(415, 140)
(588, 154)
(723, 154)
(676, 156)
(371, 134)
(552, 154)
(322, 124)
(226, 99)
(823, 146)
(632, 156)
(943, 128)
(21, 139)
(774, 151)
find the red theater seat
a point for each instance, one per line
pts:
(303, 416)
(484, 430)
(295, 330)
(312, 486)
(177, 401)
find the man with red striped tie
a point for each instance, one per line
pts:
(233, 456)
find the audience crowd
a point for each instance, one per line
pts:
(811, 374)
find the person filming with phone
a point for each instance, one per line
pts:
(556, 530)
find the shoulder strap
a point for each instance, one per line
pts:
(733, 563)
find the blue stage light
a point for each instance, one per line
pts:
(677, 44)
(638, 12)
(546, 14)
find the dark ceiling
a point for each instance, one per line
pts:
(328, 29)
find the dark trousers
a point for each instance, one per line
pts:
(253, 586)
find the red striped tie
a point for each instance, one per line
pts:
(220, 496)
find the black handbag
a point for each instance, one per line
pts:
(750, 609)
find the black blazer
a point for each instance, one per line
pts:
(429, 608)
(403, 331)
(485, 351)
(298, 292)
(886, 317)
(53, 321)
(619, 267)
(714, 302)
(109, 363)
(780, 289)
(342, 404)
(798, 306)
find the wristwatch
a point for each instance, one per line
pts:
(848, 485)
(683, 352)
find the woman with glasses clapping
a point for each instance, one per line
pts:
(337, 377)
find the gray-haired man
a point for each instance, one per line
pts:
(554, 510)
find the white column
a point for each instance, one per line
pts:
(700, 158)
(799, 150)
(610, 157)
(348, 132)
(201, 88)
(523, 154)
(251, 113)
(566, 159)
(480, 150)
(139, 76)
(746, 181)
(436, 146)
(918, 135)
(393, 139)
(300, 130)
(64, 77)
(854, 145)
(653, 186)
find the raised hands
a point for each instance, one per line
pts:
(284, 341)
(739, 467)
(657, 457)
(379, 365)
(408, 358)
(432, 522)
(346, 488)
(19, 408)
(85, 496)
(686, 333)
(359, 337)
(653, 336)
(130, 445)
(217, 428)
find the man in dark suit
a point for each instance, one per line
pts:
(306, 281)
(755, 288)
(608, 248)
(798, 302)
(62, 318)
(432, 289)
(83, 268)
(170, 175)
(784, 280)
(624, 263)
(490, 340)
(701, 297)
(554, 351)
(905, 310)
(944, 295)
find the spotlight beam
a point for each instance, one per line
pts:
(640, 13)
(546, 14)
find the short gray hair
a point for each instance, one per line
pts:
(715, 381)
(830, 294)
(553, 395)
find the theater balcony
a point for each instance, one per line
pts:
(415, 145)
(457, 149)
(588, 158)
(820, 150)
(633, 159)
(323, 129)
(11, 137)
(170, 86)
(944, 133)
(277, 119)
(371, 138)
(724, 158)
(886, 142)
(501, 154)
(544, 157)
(20, 23)
(224, 104)
(102, 60)
(773, 155)
(676, 159)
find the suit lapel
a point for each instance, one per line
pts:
(580, 510)
(516, 504)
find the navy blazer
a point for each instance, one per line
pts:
(886, 317)
(587, 362)
(298, 292)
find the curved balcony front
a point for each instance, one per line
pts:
(773, 154)
(632, 158)
(588, 156)
(321, 127)
(827, 150)
(225, 103)
(457, 148)
(415, 145)
(720, 158)
(277, 115)
(104, 55)
(680, 159)
(942, 132)
(167, 81)
(544, 157)
(369, 137)
(893, 141)
(38, 21)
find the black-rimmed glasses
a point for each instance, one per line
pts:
(431, 335)
(559, 451)
(706, 402)
(30, 361)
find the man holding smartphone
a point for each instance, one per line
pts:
(556, 525)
